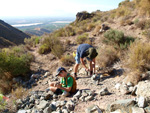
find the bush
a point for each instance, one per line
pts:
(67, 60)
(82, 38)
(117, 39)
(44, 48)
(138, 57)
(13, 62)
(52, 44)
(107, 56)
(33, 41)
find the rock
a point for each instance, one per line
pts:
(124, 105)
(65, 111)
(93, 109)
(89, 98)
(70, 105)
(124, 89)
(83, 15)
(53, 107)
(129, 84)
(42, 105)
(147, 109)
(137, 110)
(47, 74)
(141, 102)
(35, 76)
(134, 90)
(78, 94)
(22, 111)
(117, 86)
(47, 110)
(131, 89)
(117, 111)
(143, 89)
(104, 91)
(18, 102)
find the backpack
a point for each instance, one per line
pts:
(74, 86)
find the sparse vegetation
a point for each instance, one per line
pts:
(82, 38)
(13, 62)
(33, 41)
(52, 44)
(117, 39)
(138, 57)
(107, 56)
(67, 60)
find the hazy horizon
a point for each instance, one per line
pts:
(45, 8)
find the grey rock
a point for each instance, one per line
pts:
(137, 110)
(93, 109)
(141, 102)
(143, 89)
(124, 105)
(43, 104)
(47, 110)
(104, 91)
(147, 109)
(117, 86)
(89, 98)
(65, 111)
(70, 105)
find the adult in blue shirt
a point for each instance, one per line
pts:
(88, 51)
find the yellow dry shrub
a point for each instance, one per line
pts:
(138, 56)
(19, 92)
(90, 27)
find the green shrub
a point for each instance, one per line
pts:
(82, 38)
(44, 48)
(13, 62)
(52, 44)
(33, 41)
(117, 39)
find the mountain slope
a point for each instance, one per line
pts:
(7, 32)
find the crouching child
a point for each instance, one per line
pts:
(67, 84)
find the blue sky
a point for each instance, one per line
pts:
(54, 8)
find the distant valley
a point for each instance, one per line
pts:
(39, 26)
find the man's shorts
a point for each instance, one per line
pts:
(58, 92)
(77, 58)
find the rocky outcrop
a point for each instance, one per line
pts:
(83, 15)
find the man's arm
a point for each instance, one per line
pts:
(81, 59)
(93, 61)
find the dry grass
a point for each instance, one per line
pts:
(138, 56)
(144, 7)
(107, 56)
(67, 60)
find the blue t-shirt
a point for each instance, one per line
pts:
(81, 50)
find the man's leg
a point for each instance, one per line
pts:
(76, 70)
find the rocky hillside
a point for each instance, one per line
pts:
(122, 79)
(10, 35)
